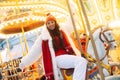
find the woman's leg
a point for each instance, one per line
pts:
(70, 61)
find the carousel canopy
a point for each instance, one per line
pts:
(98, 12)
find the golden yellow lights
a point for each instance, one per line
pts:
(14, 26)
(94, 21)
(107, 17)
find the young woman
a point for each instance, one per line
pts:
(57, 52)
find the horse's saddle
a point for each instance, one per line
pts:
(67, 73)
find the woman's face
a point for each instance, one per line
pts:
(51, 24)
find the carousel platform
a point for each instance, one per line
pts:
(115, 77)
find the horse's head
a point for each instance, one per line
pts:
(106, 36)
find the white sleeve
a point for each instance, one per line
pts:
(33, 55)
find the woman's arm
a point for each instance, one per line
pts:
(33, 55)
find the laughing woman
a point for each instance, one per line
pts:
(57, 51)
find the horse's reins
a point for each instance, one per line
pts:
(109, 45)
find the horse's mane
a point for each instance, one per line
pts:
(99, 26)
(73, 35)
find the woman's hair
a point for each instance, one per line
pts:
(56, 32)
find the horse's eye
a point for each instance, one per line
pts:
(109, 34)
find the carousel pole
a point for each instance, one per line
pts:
(83, 23)
(11, 62)
(75, 29)
(24, 37)
(92, 40)
(1, 62)
(1, 67)
(26, 46)
(22, 46)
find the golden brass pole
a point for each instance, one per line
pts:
(22, 46)
(37, 33)
(92, 40)
(82, 20)
(11, 62)
(1, 58)
(1, 62)
(25, 41)
(73, 23)
(8, 47)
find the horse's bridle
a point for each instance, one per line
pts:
(106, 40)
(103, 33)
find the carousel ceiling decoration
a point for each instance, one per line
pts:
(98, 12)
(24, 21)
(29, 15)
(101, 11)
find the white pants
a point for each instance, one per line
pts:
(70, 61)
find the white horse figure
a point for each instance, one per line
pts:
(102, 35)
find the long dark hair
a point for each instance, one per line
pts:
(56, 32)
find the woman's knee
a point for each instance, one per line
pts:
(82, 60)
(85, 60)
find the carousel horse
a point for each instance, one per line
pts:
(101, 35)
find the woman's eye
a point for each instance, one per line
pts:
(48, 23)
(52, 22)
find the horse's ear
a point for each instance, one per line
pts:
(108, 26)
(100, 26)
